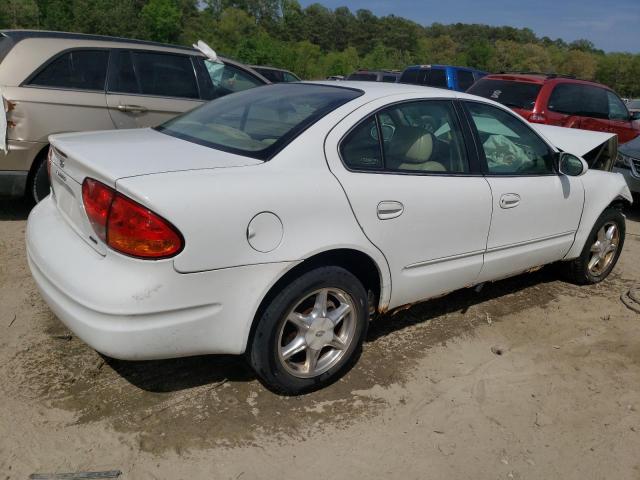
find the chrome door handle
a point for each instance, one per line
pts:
(509, 200)
(132, 108)
(389, 209)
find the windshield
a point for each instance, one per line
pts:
(259, 122)
(512, 94)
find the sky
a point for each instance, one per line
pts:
(612, 25)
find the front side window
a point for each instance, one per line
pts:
(228, 79)
(77, 70)
(416, 137)
(261, 121)
(155, 74)
(617, 109)
(510, 146)
(566, 98)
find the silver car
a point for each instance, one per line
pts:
(628, 164)
(54, 82)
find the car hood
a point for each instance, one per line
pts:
(115, 154)
(631, 149)
(573, 140)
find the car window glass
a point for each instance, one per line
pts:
(260, 121)
(77, 69)
(229, 79)
(361, 149)
(165, 75)
(465, 79)
(596, 103)
(510, 146)
(512, 94)
(389, 78)
(409, 76)
(367, 77)
(567, 98)
(289, 77)
(617, 109)
(275, 76)
(437, 78)
(422, 137)
(123, 77)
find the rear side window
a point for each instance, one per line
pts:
(437, 78)
(581, 100)
(417, 137)
(510, 93)
(367, 77)
(77, 70)
(465, 80)
(409, 76)
(258, 122)
(165, 75)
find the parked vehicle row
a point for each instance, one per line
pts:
(340, 199)
(54, 82)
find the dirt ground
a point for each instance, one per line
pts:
(529, 378)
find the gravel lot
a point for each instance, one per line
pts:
(529, 378)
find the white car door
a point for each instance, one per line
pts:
(417, 195)
(536, 211)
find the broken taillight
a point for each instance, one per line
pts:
(126, 226)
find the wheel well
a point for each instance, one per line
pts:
(358, 263)
(620, 203)
(42, 155)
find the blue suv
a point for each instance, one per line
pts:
(441, 76)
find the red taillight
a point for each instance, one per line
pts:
(537, 118)
(127, 226)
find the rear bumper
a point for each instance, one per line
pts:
(632, 180)
(133, 309)
(15, 166)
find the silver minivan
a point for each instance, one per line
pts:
(54, 82)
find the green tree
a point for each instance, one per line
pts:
(161, 20)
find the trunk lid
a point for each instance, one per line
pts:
(112, 155)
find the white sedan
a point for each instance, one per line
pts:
(275, 221)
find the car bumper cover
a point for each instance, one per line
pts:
(135, 309)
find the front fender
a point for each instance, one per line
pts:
(601, 189)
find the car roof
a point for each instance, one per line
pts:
(19, 35)
(383, 89)
(438, 65)
(540, 78)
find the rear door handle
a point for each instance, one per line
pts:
(389, 209)
(132, 108)
(509, 200)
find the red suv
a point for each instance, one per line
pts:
(561, 100)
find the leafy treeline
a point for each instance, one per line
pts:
(315, 42)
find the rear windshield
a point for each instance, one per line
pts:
(259, 122)
(5, 46)
(512, 94)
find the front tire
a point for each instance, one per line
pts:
(311, 332)
(601, 250)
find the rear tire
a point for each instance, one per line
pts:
(39, 186)
(600, 253)
(311, 332)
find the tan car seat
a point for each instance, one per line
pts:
(411, 149)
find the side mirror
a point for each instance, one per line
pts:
(571, 165)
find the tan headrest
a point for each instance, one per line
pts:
(421, 149)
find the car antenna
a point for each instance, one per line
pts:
(208, 52)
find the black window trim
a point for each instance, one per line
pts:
(478, 143)
(110, 74)
(26, 83)
(472, 158)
